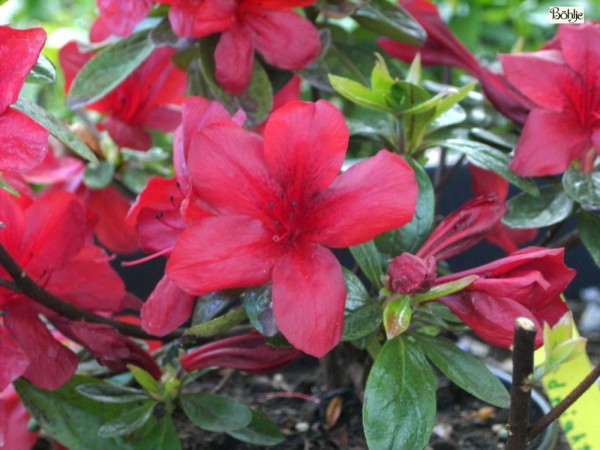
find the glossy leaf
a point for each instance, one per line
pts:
(131, 420)
(399, 407)
(211, 305)
(110, 393)
(452, 97)
(218, 324)
(108, 68)
(56, 128)
(369, 260)
(552, 206)
(43, 72)
(214, 412)
(161, 437)
(464, 370)
(259, 307)
(441, 290)
(583, 187)
(396, 317)
(588, 225)
(260, 431)
(361, 322)
(98, 175)
(357, 295)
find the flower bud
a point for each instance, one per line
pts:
(410, 274)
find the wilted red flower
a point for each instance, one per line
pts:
(527, 283)
(146, 99)
(443, 47)
(24, 142)
(247, 352)
(283, 38)
(118, 18)
(277, 203)
(564, 84)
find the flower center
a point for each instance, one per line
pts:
(285, 215)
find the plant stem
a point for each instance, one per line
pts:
(567, 241)
(571, 398)
(520, 392)
(26, 286)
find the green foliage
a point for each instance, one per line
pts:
(214, 412)
(385, 18)
(161, 437)
(43, 72)
(588, 225)
(369, 260)
(260, 431)
(583, 187)
(552, 206)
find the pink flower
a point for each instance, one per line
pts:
(276, 204)
(14, 420)
(284, 39)
(24, 142)
(147, 99)
(564, 85)
(118, 18)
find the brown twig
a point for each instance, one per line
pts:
(567, 241)
(520, 392)
(571, 398)
(27, 286)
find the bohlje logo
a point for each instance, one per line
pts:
(566, 14)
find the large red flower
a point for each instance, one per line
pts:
(283, 38)
(277, 203)
(145, 100)
(24, 142)
(564, 84)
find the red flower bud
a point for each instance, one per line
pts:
(410, 274)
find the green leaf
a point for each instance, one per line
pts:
(588, 225)
(387, 19)
(357, 295)
(108, 68)
(441, 290)
(259, 307)
(399, 407)
(411, 236)
(110, 393)
(361, 322)
(128, 422)
(98, 175)
(260, 431)
(70, 418)
(144, 379)
(43, 72)
(162, 437)
(219, 324)
(490, 158)
(381, 80)
(214, 412)
(583, 187)
(359, 94)
(396, 316)
(452, 97)
(552, 206)
(56, 128)
(369, 260)
(464, 370)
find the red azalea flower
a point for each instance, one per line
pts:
(24, 142)
(527, 283)
(118, 18)
(50, 239)
(14, 421)
(277, 203)
(283, 38)
(247, 352)
(145, 99)
(564, 84)
(443, 47)
(485, 182)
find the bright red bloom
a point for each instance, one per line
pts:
(443, 47)
(118, 18)
(277, 203)
(527, 283)
(283, 38)
(147, 99)
(247, 352)
(50, 239)
(24, 142)
(564, 84)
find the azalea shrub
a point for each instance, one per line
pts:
(287, 160)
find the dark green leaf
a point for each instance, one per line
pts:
(260, 431)
(505, 141)
(98, 175)
(588, 225)
(385, 18)
(357, 295)
(486, 157)
(583, 187)
(43, 72)
(211, 305)
(110, 393)
(369, 260)
(162, 437)
(69, 417)
(552, 206)
(56, 128)
(399, 408)
(411, 236)
(259, 307)
(464, 370)
(361, 322)
(107, 69)
(131, 420)
(214, 412)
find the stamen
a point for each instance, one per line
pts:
(146, 258)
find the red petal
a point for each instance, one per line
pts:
(118, 18)
(16, 435)
(549, 142)
(51, 364)
(258, 5)
(127, 135)
(308, 299)
(13, 217)
(305, 146)
(371, 197)
(284, 38)
(222, 252)
(13, 361)
(199, 19)
(19, 51)
(71, 60)
(234, 57)
(24, 142)
(167, 307)
(580, 47)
